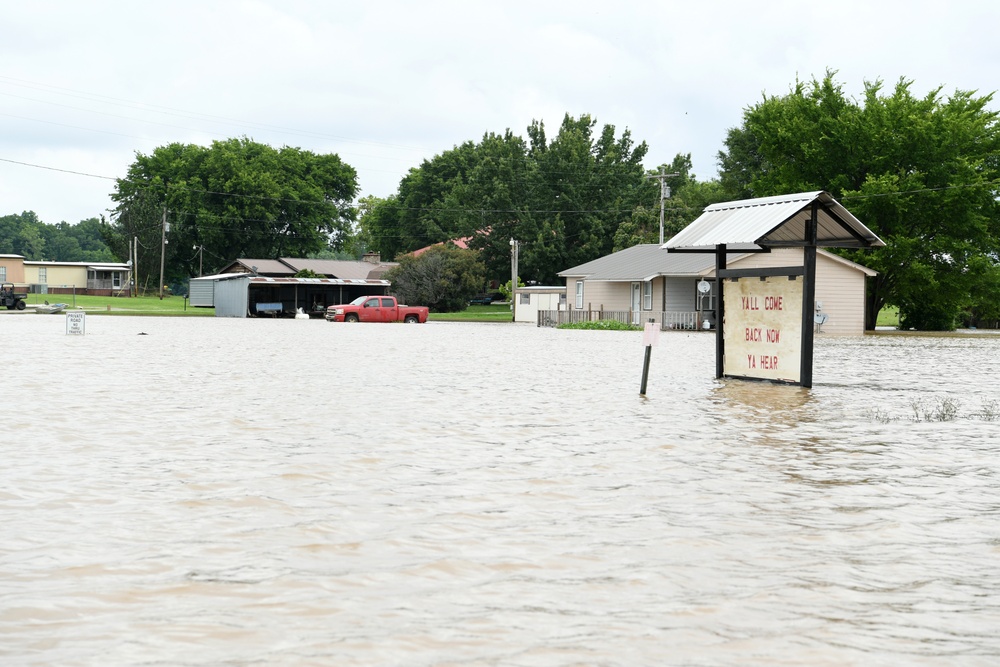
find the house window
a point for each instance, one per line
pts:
(3, 274)
(116, 279)
(579, 294)
(562, 299)
(705, 299)
(43, 275)
(647, 295)
(524, 299)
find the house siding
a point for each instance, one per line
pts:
(839, 288)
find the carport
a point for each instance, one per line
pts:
(246, 295)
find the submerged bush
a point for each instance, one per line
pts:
(602, 325)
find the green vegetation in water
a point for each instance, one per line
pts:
(602, 325)
(944, 409)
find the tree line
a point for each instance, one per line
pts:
(923, 172)
(24, 234)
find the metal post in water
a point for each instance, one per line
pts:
(649, 353)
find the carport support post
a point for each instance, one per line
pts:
(720, 341)
(809, 298)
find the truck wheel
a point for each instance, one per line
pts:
(351, 318)
(19, 305)
(411, 319)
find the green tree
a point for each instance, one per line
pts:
(235, 198)
(443, 278)
(562, 199)
(921, 172)
(688, 198)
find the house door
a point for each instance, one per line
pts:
(636, 302)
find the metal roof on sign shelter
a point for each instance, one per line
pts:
(775, 222)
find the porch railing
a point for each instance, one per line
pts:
(667, 319)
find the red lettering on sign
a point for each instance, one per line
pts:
(772, 303)
(749, 303)
(750, 361)
(753, 335)
(773, 335)
(769, 362)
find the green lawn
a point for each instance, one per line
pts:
(888, 317)
(116, 305)
(490, 313)
(175, 305)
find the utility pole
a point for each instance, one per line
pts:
(664, 194)
(514, 245)
(163, 247)
(135, 267)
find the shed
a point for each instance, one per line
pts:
(530, 300)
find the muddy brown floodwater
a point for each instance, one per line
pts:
(281, 492)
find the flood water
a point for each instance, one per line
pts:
(281, 492)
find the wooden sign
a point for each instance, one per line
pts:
(763, 328)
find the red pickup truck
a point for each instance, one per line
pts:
(376, 309)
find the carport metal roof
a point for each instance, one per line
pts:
(775, 222)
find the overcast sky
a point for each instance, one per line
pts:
(386, 84)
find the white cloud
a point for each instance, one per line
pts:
(386, 84)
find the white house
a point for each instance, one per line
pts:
(646, 281)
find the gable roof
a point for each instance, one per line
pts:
(775, 222)
(343, 269)
(462, 243)
(270, 267)
(645, 262)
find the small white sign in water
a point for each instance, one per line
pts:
(76, 323)
(651, 334)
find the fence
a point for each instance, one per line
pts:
(667, 319)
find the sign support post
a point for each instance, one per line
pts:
(720, 311)
(808, 298)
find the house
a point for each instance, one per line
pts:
(95, 278)
(646, 281)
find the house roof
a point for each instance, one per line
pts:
(289, 266)
(462, 243)
(101, 266)
(271, 267)
(775, 222)
(643, 262)
(335, 268)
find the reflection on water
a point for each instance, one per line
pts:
(280, 492)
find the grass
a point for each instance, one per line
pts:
(888, 317)
(178, 306)
(116, 305)
(490, 313)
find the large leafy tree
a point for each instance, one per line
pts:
(443, 278)
(235, 198)
(922, 172)
(562, 199)
(688, 198)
